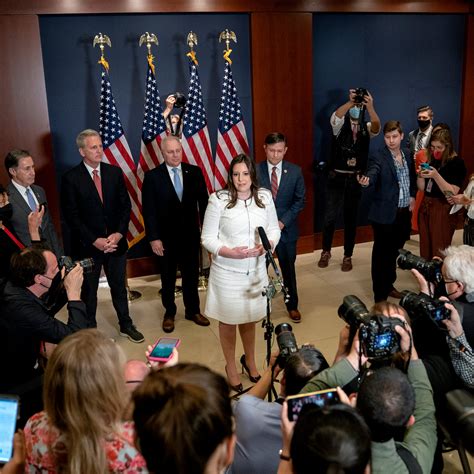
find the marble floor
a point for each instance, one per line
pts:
(320, 293)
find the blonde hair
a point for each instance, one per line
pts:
(85, 397)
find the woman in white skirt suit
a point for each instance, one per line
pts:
(238, 270)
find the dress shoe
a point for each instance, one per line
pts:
(346, 264)
(168, 324)
(294, 315)
(245, 367)
(198, 318)
(236, 388)
(396, 294)
(324, 260)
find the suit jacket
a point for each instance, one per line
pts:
(19, 220)
(166, 217)
(86, 216)
(411, 142)
(384, 187)
(290, 198)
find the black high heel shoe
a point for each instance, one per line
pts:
(236, 388)
(244, 367)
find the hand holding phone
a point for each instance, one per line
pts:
(321, 398)
(425, 166)
(8, 417)
(163, 349)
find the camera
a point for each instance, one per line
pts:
(376, 332)
(424, 306)
(431, 270)
(180, 100)
(353, 311)
(378, 337)
(67, 262)
(286, 342)
(360, 94)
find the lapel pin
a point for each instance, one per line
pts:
(285, 171)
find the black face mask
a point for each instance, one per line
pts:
(55, 291)
(6, 213)
(423, 124)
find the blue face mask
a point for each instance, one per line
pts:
(354, 112)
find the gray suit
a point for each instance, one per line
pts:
(19, 220)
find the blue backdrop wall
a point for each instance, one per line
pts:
(73, 75)
(404, 60)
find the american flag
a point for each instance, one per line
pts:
(153, 130)
(117, 151)
(195, 140)
(231, 136)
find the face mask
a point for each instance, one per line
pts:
(354, 112)
(424, 124)
(6, 213)
(437, 154)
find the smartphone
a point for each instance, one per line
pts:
(425, 166)
(320, 398)
(8, 417)
(163, 349)
(448, 194)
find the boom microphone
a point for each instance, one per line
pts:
(264, 239)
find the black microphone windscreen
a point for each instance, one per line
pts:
(264, 239)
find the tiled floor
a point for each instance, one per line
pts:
(320, 292)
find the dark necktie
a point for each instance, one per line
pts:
(274, 182)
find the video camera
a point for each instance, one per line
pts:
(423, 306)
(359, 95)
(67, 262)
(377, 334)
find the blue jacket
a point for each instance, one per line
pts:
(384, 187)
(290, 198)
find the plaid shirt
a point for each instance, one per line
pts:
(462, 358)
(403, 175)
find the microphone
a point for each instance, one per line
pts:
(268, 249)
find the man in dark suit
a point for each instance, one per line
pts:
(420, 137)
(391, 180)
(96, 207)
(26, 197)
(285, 181)
(174, 201)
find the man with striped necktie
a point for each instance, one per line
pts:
(25, 198)
(285, 180)
(420, 137)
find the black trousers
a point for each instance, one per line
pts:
(187, 257)
(388, 238)
(343, 193)
(286, 253)
(115, 270)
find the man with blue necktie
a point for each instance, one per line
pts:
(174, 199)
(26, 197)
(285, 181)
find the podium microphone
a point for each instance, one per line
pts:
(268, 249)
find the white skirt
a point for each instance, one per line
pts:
(236, 298)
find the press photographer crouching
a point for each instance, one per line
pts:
(27, 322)
(443, 332)
(259, 437)
(389, 399)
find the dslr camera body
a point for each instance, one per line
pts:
(377, 334)
(360, 94)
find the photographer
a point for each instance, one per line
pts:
(458, 275)
(350, 151)
(390, 402)
(26, 322)
(258, 421)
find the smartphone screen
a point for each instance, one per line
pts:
(8, 417)
(321, 399)
(164, 348)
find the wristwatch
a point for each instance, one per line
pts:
(283, 457)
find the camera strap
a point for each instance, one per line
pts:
(409, 459)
